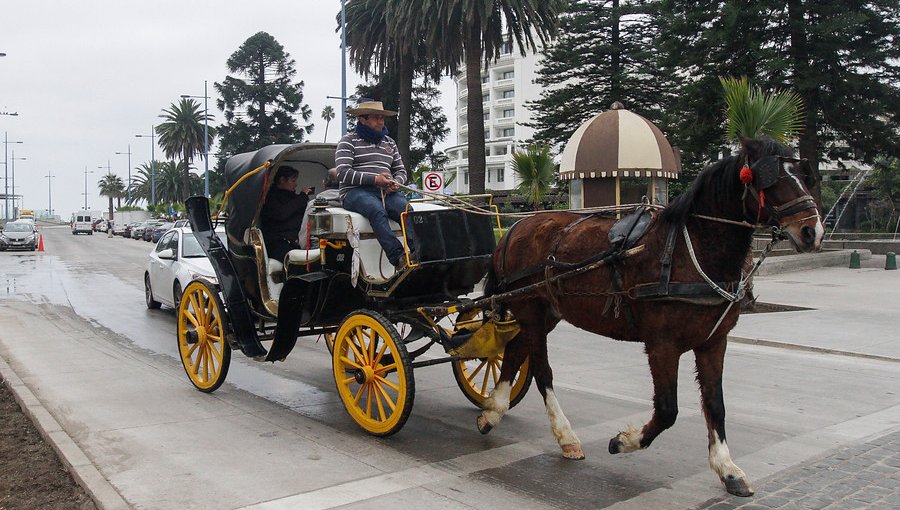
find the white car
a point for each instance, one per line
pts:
(174, 262)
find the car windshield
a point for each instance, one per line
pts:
(19, 227)
(191, 248)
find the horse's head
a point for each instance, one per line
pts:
(777, 194)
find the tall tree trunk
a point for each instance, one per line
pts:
(325, 138)
(475, 113)
(260, 83)
(110, 207)
(806, 87)
(405, 106)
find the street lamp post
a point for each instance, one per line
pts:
(6, 143)
(205, 97)
(86, 172)
(152, 137)
(13, 185)
(129, 172)
(49, 178)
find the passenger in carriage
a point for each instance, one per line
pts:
(370, 172)
(329, 196)
(282, 214)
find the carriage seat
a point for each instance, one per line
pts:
(271, 272)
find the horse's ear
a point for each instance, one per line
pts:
(750, 145)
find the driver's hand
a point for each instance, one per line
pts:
(383, 180)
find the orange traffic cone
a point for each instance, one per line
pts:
(41, 243)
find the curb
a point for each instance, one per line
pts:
(72, 456)
(806, 261)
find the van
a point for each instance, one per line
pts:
(81, 224)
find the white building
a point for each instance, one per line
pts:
(507, 85)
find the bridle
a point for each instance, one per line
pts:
(762, 175)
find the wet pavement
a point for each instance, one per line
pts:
(802, 388)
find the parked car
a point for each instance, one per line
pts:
(148, 229)
(118, 228)
(19, 235)
(174, 262)
(182, 223)
(99, 225)
(127, 231)
(160, 230)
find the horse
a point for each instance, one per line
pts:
(674, 291)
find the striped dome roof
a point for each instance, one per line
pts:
(618, 143)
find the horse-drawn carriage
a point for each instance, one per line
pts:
(343, 288)
(667, 278)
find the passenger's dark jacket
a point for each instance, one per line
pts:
(282, 215)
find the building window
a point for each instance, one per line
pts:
(508, 113)
(485, 79)
(500, 176)
(485, 97)
(502, 151)
(487, 135)
(508, 75)
(506, 49)
(488, 174)
(508, 94)
(466, 178)
(487, 116)
(509, 132)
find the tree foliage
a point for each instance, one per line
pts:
(536, 171)
(751, 112)
(111, 186)
(605, 53)
(181, 135)
(168, 180)
(261, 102)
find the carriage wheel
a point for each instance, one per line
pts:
(329, 342)
(373, 373)
(205, 354)
(476, 377)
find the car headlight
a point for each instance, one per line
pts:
(29, 238)
(3, 238)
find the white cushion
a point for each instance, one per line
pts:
(303, 257)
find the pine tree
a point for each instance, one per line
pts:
(605, 53)
(261, 103)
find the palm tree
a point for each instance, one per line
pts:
(750, 112)
(111, 186)
(181, 134)
(474, 32)
(327, 116)
(536, 171)
(388, 36)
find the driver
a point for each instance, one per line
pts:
(370, 171)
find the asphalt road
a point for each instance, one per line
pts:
(76, 330)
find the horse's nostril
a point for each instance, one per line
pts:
(808, 234)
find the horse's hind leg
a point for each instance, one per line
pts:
(710, 359)
(664, 369)
(559, 424)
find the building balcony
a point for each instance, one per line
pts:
(505, 101)
(505, 121)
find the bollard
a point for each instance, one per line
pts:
(854, 260)
(891, 261)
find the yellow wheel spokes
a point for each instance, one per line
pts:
(200, 336)
(374, 394)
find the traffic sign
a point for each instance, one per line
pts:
(433, 181)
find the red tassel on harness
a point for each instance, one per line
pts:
(746, 175)
(762, 203)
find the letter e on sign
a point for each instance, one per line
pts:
(433, 182)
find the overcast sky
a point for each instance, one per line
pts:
(86, 76)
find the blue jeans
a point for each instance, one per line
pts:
(366, 200)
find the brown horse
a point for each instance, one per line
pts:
(670, 305)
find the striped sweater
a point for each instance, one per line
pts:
(359, 161)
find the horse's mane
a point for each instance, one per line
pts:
(719, 181)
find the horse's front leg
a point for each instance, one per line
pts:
(664, 370)
(497, 404)
(710, 359)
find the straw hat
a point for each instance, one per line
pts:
(370, 107)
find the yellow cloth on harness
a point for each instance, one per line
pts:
(488, 339)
